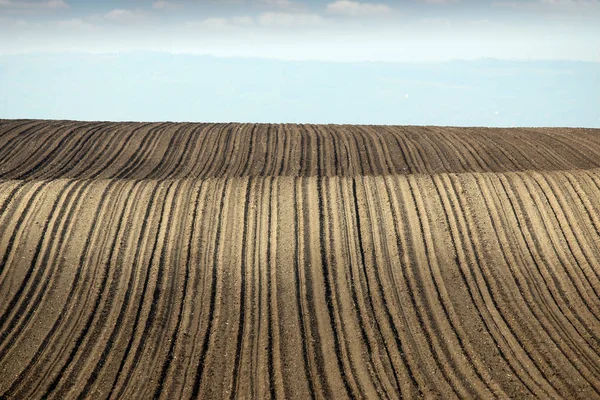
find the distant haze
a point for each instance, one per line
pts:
(157, 86)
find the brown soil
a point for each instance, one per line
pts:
(298, 261)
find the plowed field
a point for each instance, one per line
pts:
(298, 261)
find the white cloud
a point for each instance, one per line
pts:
(165, 5)
(569, 2)
(289, 20)
(18, 4)
(278, 3)
(221, 23)
(355, 8)
(550, 5)
(74, 23)
(123, 15)
(264, 20)
(439, 1)
(286, 5)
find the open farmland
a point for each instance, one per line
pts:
(174, 260)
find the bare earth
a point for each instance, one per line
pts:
(298, 261)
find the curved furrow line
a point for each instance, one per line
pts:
(344, 160)
(324, 328)
(56, 348)
(568, 220)
(273, 298)
(412, 257)
(471, 149)
(560, 252)
(160, 315)
(504, 150)
(519, 149)
(178, 289)
(274, 152)
(414, 330)
(535, 296)
(542, 266)
(93, 315)
(185, 168)
(219, 168)
(593, 214)
(436, 305)
(310, 296)
(366, 160)
(518, 328)
(564, 189)
(103, 313)
(78, 152)
(573, 150)
(99, 164)
(57, 327)
(213, 294)
(371, 151)
(356, 303)
(140, 154)
(482, 293)
(331, 292)
(463, 255)
(501, 156)
(247, 167)
(165, 160)
(550, 330)
(201, 136)
(415, 258)
(199, 278)
(342, 328)
(211, 150)
(236, 159)
(439, 147)
(45, 280)
(286, 151)
(249, 357)
(12, 126)
(402, 152)
(552, 156)
(419, 165)
(243, 289)
(9, 150)
(130, 284)
(577, 321)
(265, 157)
(62, 198)
(69, 142)
(8, 135)
(8, 196)
(57, 142)
(98, 146)
(505, 333)
(314, 387)
(135, 336)
(390, 326)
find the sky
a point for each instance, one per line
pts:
(413, 62)
(334, 30)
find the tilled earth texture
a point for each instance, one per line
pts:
(168, 260)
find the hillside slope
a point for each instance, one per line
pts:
(298, 261)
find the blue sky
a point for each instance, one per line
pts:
(421, 62)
